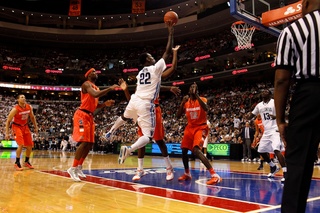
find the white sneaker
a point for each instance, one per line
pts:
(108, 135)
(73, 174)
(124, 153)
(80, 172)
(170, 175)
(138, 175)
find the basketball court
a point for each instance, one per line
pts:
(109, 186)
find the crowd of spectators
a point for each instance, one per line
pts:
(115, 59)
(226, 104)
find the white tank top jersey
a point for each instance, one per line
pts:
(149, 80)
(265, 110)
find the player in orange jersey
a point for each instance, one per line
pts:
(195, 108)
(20, 114)
(83, 124)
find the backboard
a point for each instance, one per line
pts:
(277, 13)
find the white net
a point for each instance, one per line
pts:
(243, 32)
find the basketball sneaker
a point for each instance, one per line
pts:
(260, 167)
(273, 171)
(80, 172)
(108, 135)
(124, 153)
(28, 164)
(138, 175)
(18, 167)
(214, 179)
(170, 175)
(185, 177)
(73, 174)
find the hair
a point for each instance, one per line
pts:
(18, 96)
(143, 58)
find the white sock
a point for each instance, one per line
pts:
(119, 122)
(141, 142)
(140, 163)
(167, 162)
(284, 169)
(272, 164)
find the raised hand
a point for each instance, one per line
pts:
(170, 27)
(193, 89)
(123, 84)
(185, 99)
(175, 90)
(176, 48)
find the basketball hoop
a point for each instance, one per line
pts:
(243, 32)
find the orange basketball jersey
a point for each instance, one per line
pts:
(195, 113)
(87, 101)
(21, 118)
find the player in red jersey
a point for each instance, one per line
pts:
(195, 108)
(83, 124)
(19, 116)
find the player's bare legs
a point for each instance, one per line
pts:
(17, 164)
(164, 150)
(140, 171)
(141, 153)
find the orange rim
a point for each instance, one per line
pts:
(242, 22)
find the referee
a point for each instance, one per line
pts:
(298, 56)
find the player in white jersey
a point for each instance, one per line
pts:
(141, 107)
(270, 140)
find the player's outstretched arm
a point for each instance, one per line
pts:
(167, 73)
(170, 41)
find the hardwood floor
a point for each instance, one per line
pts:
(48, 188)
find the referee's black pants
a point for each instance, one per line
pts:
(303, 137)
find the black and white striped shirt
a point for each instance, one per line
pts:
(298, 47)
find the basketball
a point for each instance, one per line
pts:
(171, 16)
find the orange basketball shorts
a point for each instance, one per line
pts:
(194, 136)
(22, 135)
(83, 127)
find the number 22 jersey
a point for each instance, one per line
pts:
(149, 80)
